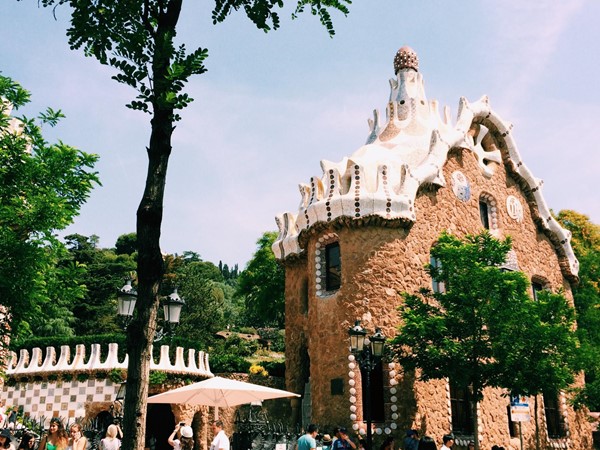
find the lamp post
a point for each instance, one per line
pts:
(116, 409)
(126, 299)
(367, 351)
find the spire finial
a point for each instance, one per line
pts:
(406, 58)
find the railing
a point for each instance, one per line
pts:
(254, 431)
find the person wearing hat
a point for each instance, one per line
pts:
(186, 439)
(411, 441)
(6, 439)
(343, 442)
(326, 442)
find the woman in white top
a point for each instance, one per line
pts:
(111, 442)
(186, 441)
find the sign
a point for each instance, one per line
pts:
(519, 408)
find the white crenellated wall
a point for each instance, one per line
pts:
(71, 399)
(195, 364)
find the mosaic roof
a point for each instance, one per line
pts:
(406, 150)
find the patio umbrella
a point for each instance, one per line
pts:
(220, 392)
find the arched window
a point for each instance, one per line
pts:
(438, 287)
(538, 284)
(462, 410)
(555, 421)
(333, 267)
(488, 212)
(328, 268)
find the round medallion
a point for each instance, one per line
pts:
(514, 208)
(461, 186)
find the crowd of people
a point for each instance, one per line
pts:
(341, 441)
(182, 438)
(59, 438)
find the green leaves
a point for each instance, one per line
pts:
(485, 329)
(42, 188)
(586, 244)
(51, 117)
(264, 15)
(262, 284)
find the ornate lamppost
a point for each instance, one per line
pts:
(172, 304)
(368, 352)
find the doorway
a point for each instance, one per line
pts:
(160, 423)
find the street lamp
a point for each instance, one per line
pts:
(126, 298)
(367, 351)
(116, 409)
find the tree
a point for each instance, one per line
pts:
(202, 288)
(137, 38)
(262, 284)
(42, 187)
(540, 352)
(485, 330)
(105, 273)
(586, 245)
(126, 244)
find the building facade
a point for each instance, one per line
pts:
(363, 234)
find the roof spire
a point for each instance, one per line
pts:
(406, 58)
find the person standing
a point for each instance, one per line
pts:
(6, 440)
(448, 440)
(220, 441)
(307, 441)
(326, 442)
(343, 442)
(411, 441)
(111, 441)
(27, 442)
(77, 441)
(57, 437)
(186, 440)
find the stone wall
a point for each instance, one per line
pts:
(382, 259)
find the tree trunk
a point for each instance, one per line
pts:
(537, 425)
(475, 425)
(142, 329)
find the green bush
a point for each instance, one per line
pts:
(157, 377)
(275, 368)
(228, 363)
(275, 337)
(247, 330)
(235, 345)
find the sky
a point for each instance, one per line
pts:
(272, 105)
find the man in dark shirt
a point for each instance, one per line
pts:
(411, 441)
(342, 442)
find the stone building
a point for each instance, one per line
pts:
(363, 233)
